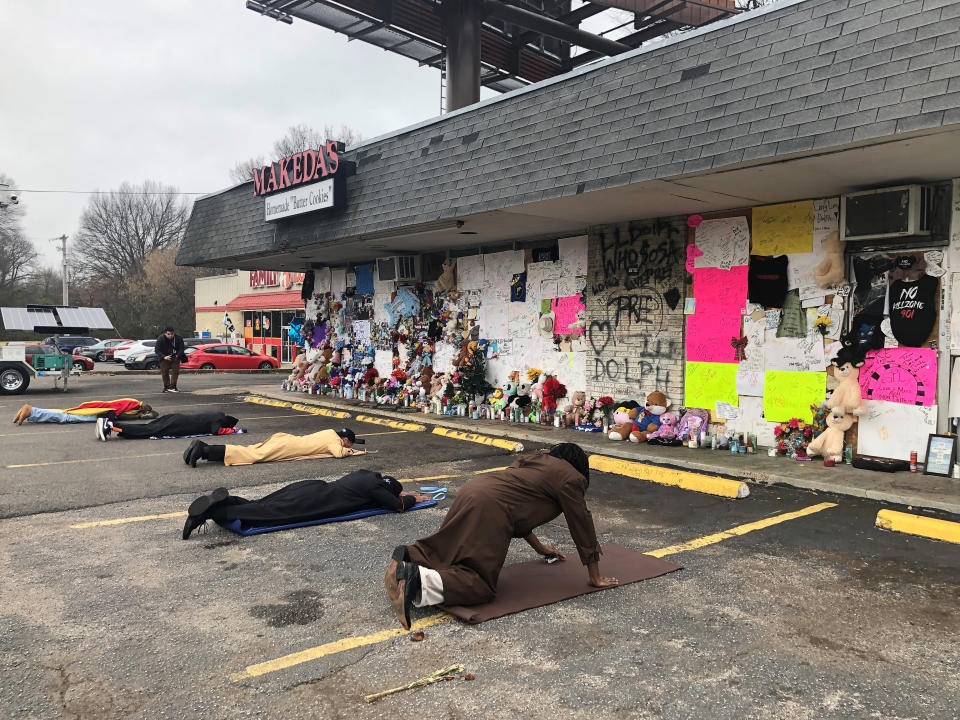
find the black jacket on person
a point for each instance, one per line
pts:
(176, 425)
(313, 500)
(174, 347)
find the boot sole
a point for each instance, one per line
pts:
(395, 591)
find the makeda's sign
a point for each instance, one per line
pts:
(304, 182)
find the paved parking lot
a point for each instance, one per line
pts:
(812, 614)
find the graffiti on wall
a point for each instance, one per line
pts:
(634, 308)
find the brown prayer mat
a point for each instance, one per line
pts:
(532, 584)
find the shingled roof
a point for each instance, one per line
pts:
(790, 78)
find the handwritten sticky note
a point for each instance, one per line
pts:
(707, 383)
(723, 243)
(788, 394)
(749, 382)
(719, 296)
(785, 228)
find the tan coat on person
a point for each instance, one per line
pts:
(283, 446)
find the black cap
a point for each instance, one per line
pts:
(351, 436)
(395, 487)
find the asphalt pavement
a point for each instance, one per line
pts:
(790, 604)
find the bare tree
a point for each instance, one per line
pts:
(243, 170)
(296, 139)
(118, 229)
(17, 254)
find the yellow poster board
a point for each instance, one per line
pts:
(789, 394)
(707, 383)
(782, 229)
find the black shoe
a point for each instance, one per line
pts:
(173, 389)
(191, 524)
(165, 390)
(400, 554)
(194, 452)
(402, 582)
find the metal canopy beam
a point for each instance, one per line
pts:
(553, 28)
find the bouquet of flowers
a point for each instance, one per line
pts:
(793, 437)
(598, 410)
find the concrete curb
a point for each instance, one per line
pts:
(691, 461)
(709, 484)
(919, 525)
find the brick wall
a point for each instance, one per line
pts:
(636, 285)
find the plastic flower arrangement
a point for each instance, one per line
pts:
(793, 437)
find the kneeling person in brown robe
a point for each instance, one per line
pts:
(460, 563)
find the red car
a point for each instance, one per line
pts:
(81, 362)
(228, 357)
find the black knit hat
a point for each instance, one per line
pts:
(348, 434)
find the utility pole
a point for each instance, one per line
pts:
(63, 251)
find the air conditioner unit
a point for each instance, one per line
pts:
(401, 268)
(891, 212)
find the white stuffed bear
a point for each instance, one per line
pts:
(830, 271)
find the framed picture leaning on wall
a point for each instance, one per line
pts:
(941, 453)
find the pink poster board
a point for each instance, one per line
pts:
(901, 375)
(720, 297)
(565, 311)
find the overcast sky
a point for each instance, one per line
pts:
(97, 93)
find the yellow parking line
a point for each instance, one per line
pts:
(698, 482)
(739, 530)
(332, 648)
(89, 460)
(413, 427)
(511, 445)
(122, 521)
(338, 646)
(314, 410)
(919, 525)
(385, 432)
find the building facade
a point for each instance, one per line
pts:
(674, 219)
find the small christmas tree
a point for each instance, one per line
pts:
(473, 375)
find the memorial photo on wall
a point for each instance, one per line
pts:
(941, 454)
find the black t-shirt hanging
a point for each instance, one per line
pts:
(767, 280)
(913, 309)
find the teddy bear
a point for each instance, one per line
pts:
(300, 366)
(623, 418)
(648, 419)
(576, 412)
(846, 396)
(447, 280)
(830, 271)
(666, 434)
(829, 443)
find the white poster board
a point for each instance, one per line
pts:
(894, 430)
(724, 243)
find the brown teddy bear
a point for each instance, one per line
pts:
(648, 419)
(575, 412)
(447, 280)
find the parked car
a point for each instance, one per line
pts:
(68, 343)
(150, 360)
(228, 357)
(138, 347)
(81, 362)
(103, 350)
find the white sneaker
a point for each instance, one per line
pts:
(173, 389)
(102, 430)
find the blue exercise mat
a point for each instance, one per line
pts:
(235, 526)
